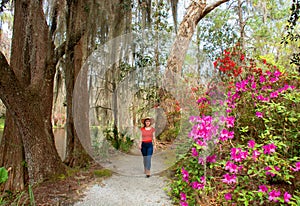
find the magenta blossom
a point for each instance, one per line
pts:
(273, 195)
(225, 135)
(274, 79)
(259, 114)
(297, 167)
(211, 158)
(196, 185)
(203, 179)
(286, 197)
(228, 196)
(251, 144)
(228, 179)
(238, 155)
(277, 73)
(201, 161)
(201, 143)
(185, 174)
(194, 152)
(182, 196)
(262, 79)
(182, 203)
(255, 154)
(270, 148)
(232, 167)
(262, 188)
(230, 121)
(274, 94)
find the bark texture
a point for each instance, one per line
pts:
(26, 89)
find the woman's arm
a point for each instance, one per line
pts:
(154, 141)
(140, 141)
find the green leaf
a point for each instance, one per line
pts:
(3, 174)
(292, 119)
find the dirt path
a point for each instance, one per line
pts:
(129, 186)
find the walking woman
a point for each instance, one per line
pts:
(147, 143)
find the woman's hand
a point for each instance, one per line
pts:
(140, 145)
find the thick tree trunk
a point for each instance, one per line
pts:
(12, 156)
(76, 154)
(26, 89)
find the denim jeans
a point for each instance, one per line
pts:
(147, 151)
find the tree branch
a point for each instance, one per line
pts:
(9, 85)
(74, 39)
(211, 7)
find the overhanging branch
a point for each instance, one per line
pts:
(211, 7)
(74, 39)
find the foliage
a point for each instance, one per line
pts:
(291, 34)
(103, 173)
(3, 175)
(119, 140)
(246, 151)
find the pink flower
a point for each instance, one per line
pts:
(232, 167)
(182, 196)
(286, 197)
(194, 152)
(273, 195)
(274, 79)
(228, 196)
(238, 155)
(230, 121)
(185, 174)
(262, 79)
(262, 188)
(211, 159)
(251, 144)
(203, 179)
(253, 85)
(255, 154)
(274, 94)
(277, 73)
(201, 143)
(228, 179)
(297, 167)
(270, 148)
(182, 203)
(201, 161)
(225, 134)
(196, 185)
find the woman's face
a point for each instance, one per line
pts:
(147, 123)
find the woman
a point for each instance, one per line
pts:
(147, 141)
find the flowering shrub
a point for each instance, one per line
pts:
(249, 154)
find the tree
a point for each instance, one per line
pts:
(195, 12)
(77, 19)
(26, 89)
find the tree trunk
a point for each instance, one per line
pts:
(75, 152)
(26, 89)
(12, 156)
(195, 12)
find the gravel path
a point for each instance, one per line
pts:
(127, 191)
(129, 186)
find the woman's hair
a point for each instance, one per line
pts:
(146, 120)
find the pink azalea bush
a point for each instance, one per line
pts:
(249, 156)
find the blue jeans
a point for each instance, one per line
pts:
(147, 151)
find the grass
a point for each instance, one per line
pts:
(103, 173)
